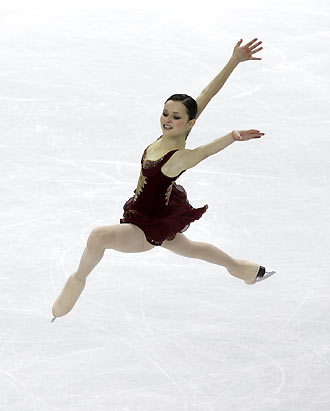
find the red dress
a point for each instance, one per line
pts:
(160, 206)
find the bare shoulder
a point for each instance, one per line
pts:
(173, 166)
(182, 160)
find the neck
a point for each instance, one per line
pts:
(173, 141)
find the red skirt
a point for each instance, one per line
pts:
(158, 229)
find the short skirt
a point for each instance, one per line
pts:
(158, 229)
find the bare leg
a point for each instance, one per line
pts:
(121, 237)
(245, 270)
(92, 255)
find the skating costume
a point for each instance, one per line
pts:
(160, 206)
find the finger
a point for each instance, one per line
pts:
(256, 133)
(256, 51)
(255, 58)
(251, 42)
(255, 45)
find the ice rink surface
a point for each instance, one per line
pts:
(82, 86)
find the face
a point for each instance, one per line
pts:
(175, 116)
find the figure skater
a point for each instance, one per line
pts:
(159, 212)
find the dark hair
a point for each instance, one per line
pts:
(189, 103)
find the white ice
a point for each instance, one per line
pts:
(82, 86)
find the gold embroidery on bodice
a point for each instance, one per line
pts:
(142, 181)
(168, 192)
(151, 163)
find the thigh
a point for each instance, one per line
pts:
(127, 238)
(181, 245)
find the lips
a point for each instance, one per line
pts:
(167, 127)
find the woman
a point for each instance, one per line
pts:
(159, 212)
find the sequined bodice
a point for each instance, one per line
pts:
(154, 188)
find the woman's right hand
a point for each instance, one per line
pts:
(244, 135)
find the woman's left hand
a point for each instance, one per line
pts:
(244, 135)
(243, 53)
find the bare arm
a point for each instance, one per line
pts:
(187, 158)
(240, 54)
(212, 89)
(190, 158)
(218, 144)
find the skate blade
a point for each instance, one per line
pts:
(53, 319)
(266, 275)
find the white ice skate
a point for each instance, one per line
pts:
(68, 297)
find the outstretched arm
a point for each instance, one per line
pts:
(190, 158)
(239, 54)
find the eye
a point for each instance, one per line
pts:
(176, 117)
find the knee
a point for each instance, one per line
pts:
(96, 237)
